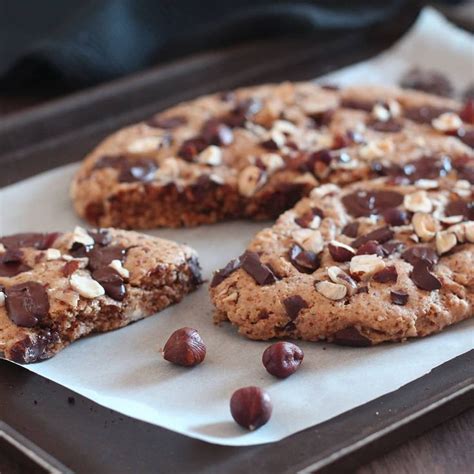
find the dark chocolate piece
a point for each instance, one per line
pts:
(387, 275)
(366, 203)
(350, 336)
(399, 297)
(293, 305)
(304, 260)
(256, 269)
(223, 273)
(423, 278)
(380, 235)
(111, 281)
(27, 303)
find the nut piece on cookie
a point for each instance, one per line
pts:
(58, 287)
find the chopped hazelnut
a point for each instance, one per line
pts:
(363, 266)
(212, 155)
(447, 122)
(250, 180)
(418, 202)
(425, 226)
(86, 286)
(332, 291)
(445, 241)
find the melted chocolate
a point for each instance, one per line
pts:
(366, 203)
(33, 240)
(111, 281)
(11, 263)
(129, 169)
(27, 303)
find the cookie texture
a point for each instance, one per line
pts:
(58, 287)
(254, 152)
(384, 260)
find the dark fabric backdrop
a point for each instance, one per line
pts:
(78, 43)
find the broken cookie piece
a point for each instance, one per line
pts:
(58, 287)
(376, 274)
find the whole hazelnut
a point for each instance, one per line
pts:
(282, 359)
(251, 407)
(185, 347)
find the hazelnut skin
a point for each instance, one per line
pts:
(251, 407)
(282, 359)
(185, 347)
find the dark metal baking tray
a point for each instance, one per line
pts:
(89, 438)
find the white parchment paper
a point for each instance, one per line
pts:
(123, 370)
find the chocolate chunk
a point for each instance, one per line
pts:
(393, 246)
(380, 235)
(323, 118)
(419, 253)
(192, 147)
(350, 336)
(362, 289)
(429, 81)
(387, 275)
(102, 256)
(256, 269)
(422, 277)
(269, 145)
(195, 269)
(425, 113)
(304, 260)
(33, 240)
(101, 237)
(460, 208)
(371, 248)
(223, 273)
(78, 250)
(317, 162)
(358, 104)
(351, 229)
(293, 305)
(395, 217)
(129, 169)
(399, 297)
(217, 133)
(167, 123)
(340, 253)
(11, 263)
(242, 112)
(307, 218)
(33, 348)
(137, 169)
(27, 303)
(388, 126)
(427, 168)
(366, 203)
(111, 281)
(467, 112)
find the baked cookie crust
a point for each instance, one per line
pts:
(376, 261)
(254, 152)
